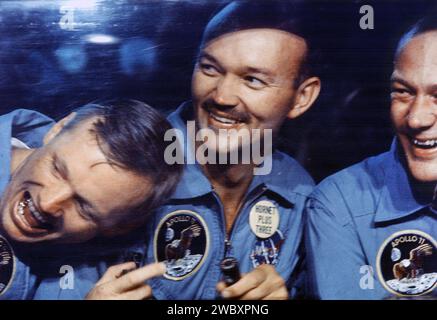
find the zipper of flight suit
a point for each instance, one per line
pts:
(228, 236)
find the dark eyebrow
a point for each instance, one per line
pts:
(260, 71)
(209, 57)
(205, 55)
(110, 163)
(256, 70)
(401, 81)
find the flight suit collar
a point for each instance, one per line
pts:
(195, 184)
(398, 198)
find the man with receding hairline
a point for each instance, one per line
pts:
(372, 227)
(73, 192)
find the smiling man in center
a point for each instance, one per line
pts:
(252, 73)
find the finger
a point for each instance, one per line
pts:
(272, 289)
(140, 293)
(265, 288)
(281, 294)
(221, 286)
(115, 271)
(259, 284)
(248, 282)
(255, 294)
(138, 277)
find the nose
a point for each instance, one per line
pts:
(226, 92)
(53, 200)
(422, 113)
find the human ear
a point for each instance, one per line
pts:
(306, 94)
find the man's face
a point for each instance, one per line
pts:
(67, 191)
(245, 80)
(414, 105)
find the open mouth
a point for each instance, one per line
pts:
(225, 120)
(29, 215)
(424, 144)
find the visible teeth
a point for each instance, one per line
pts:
(21, 206)
(35, 212)
(426, 144)
(224, 120)
(29, 204)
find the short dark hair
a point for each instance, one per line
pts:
(426, 24)
(131, 135)
(292, 16)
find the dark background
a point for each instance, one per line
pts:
(51, 61)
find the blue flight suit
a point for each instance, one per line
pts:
(361, 223)
(189, 230)
(41, 271)
(30, 128)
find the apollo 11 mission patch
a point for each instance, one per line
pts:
(182, 243)
(407, 263)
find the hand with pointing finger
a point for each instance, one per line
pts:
(116, 284)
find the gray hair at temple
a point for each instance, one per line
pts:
(292, 16)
